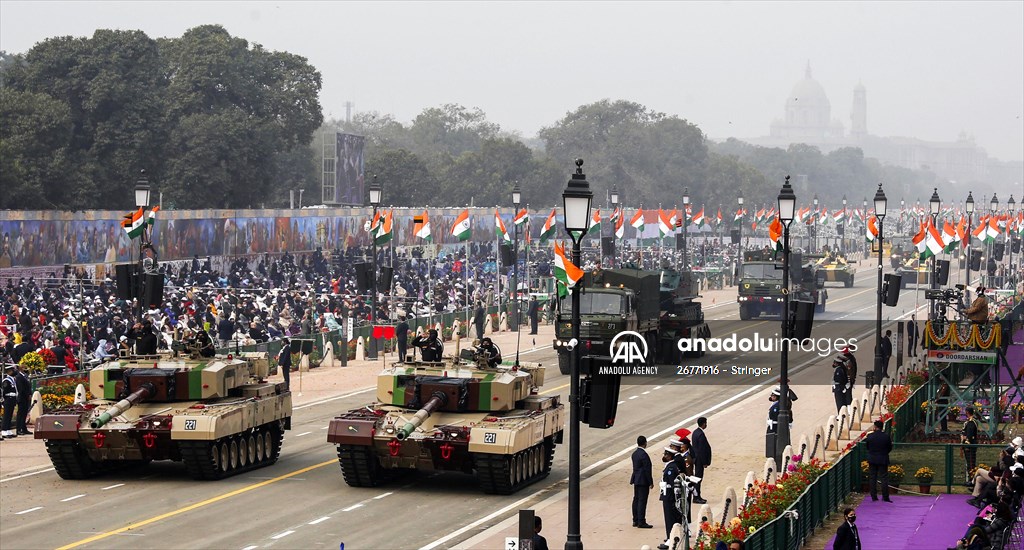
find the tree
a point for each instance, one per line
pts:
(34, 140)
(486, 176)
(405, 177)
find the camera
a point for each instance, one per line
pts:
(950, 295)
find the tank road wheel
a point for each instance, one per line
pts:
(226, 463)
(259, 446)
(250, 449)
(70, 460)
(243, 452)
(236, 460)
(203, 459)
(360, 467)
(504, 474)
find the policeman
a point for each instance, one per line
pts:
(24, 387)
(9, 389)
(773, 423)
(431, 347)
(490, 352)
(668, 498)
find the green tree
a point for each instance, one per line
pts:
(404, 177)
(34, 140)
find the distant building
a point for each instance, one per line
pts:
(807, 118)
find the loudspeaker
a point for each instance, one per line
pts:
(795, 267)
(387, 273)
(998, 249)
(943, 268)
(975, 260)
(1015, 245)
(295, 346)
(680, 241)
(802, 315)
(153, 290)
(364, 276)
(891, 289)
(507, 256)
(307, 347)
(840, 230)
(127, 277)
(608, 246)
(600, 399)
(734, 236)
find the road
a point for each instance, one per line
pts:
(302, 501)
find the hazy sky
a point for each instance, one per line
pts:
(931, 69)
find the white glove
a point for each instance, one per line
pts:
(662, 486)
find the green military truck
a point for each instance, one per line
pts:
(681, 316)
(760, 285)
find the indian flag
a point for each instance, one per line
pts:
(151, 219)
(384, 233)
(134, 224)
(462, 228)
(548, 232)
(920, 240)
(675, 219)
(949, 235)
(933, 243)
(1020, 224)
(499, 228)
(718, 217)
(871, 231)
(739, 215)
(838, 216)
(638, 221)
(961, 233)
(992, 231)
(566, 273)
(774, 233)
(595, 222)
(522, 217)
(979, 232)
(421, 227)
(664, 225)
(698, 219)
(618, 223)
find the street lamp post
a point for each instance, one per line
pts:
(840, 240)
(615, 206)
(576, 200)
(864, 210)
(934, 205)
(787, 211)
(517, 196)
(1011, 209)
(686, 229)
(142, 192)
(993, 209)
(814, 227)
(739, 247)
(375, 196)
(899, 221)
(970, 221)
(880, 203)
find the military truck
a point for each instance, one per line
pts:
(611, 301)
(681, 316)
(216, 415)
(760, 285)
(455, 416)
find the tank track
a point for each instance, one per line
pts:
(233, 454)
(504, 474)
(70, 460)
(360, 467)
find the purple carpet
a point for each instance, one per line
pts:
(913, 522)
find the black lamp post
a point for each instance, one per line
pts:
(739, 247)
(576, 200)
(840, 240)
(615, 206)
(142, 191)
(787, 212)
(899, 221)
(814, 226)
(993, 209)
(864, 209)
(934, 205)
(375, 196)
(1011, 209)
(880, 203)
(686, 229)
(517, 196)
(969, 207)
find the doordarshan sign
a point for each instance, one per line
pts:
(970, 357)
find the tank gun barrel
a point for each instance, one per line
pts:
(439, 399)
(133, 399)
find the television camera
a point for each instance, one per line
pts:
(945, 297)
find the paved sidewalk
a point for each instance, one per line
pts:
(25, 454)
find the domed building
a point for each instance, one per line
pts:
(808, 113)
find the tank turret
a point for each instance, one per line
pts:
(123, 405)
(439, 399)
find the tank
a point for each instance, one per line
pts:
(216, 415)
(457, 416)
(836, 268)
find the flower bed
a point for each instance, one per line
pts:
(59, 393)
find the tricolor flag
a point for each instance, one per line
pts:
(522, 217)
(871, 229)
(151, 220)
(566, 273)
(961, 233)
(384, 233)
(739, 215)
(774, 233)
(698, 219)
(421, 227)
(949, 236)
(134, 224)
(664, 225)
(838, 216)
(618, 223)
(548, 232)
(461, 228)
(675, 218)
(595, 222)
(920, 240)
(638, 221)
(979, 232)
(718, 218)
(992, 231)
(499, 228)
(933, 244)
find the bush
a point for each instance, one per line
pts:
(33, 363)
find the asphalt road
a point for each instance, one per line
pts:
(303, 502)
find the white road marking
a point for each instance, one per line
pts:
(73, 498)
(646, 392)
(620, 402)
(283, 535)
(319, 520)
(253, 547)
(634, 396)
(378, 497)
(113, 486)
(324, 428)
(6, 479)
(29, 510)
(656, 388)
(303, 433)
(353, 507)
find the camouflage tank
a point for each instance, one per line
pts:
(456, 416)
(216, 415)
(836, 269)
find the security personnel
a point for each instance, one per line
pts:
(24, 386)
(9, 388)
(773, 423)
(490, 352)
(431, 347)
(668, 498)
(969, 436)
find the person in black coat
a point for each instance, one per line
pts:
(847, 537)
(284, 361)
(701, 453)
(642, 481)
(479, 317)
(668, 499)
(913, 336)
(431, 347)
(840, 382)
(24, 386)
(534, 313)
(886, 354)
(539, 542)
(879, 445)
(402, 335)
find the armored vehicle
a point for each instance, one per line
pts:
(681, 316)
(913, 271)
(836, 269)
(217, 415)
(456, 416)
(760, 285)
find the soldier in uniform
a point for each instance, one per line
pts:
(9, 389)
(24, 386)
(431, 347)
(490, 352)
(969, 436)
(773, 421)
(668, 499)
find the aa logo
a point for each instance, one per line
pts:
(629, 347)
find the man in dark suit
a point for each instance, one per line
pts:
(879, 444)
(847, 537)
(913, 335)
(402, 334)
(701, 452)
(534, 313)
(642, 481)
(886, 354)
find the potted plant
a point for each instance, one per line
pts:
(896, 474)
(864, 484)
(924, 476)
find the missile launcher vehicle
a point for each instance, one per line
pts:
(217, 415)
(458, 415)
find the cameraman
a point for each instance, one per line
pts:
(490, 352)
(978, 312)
